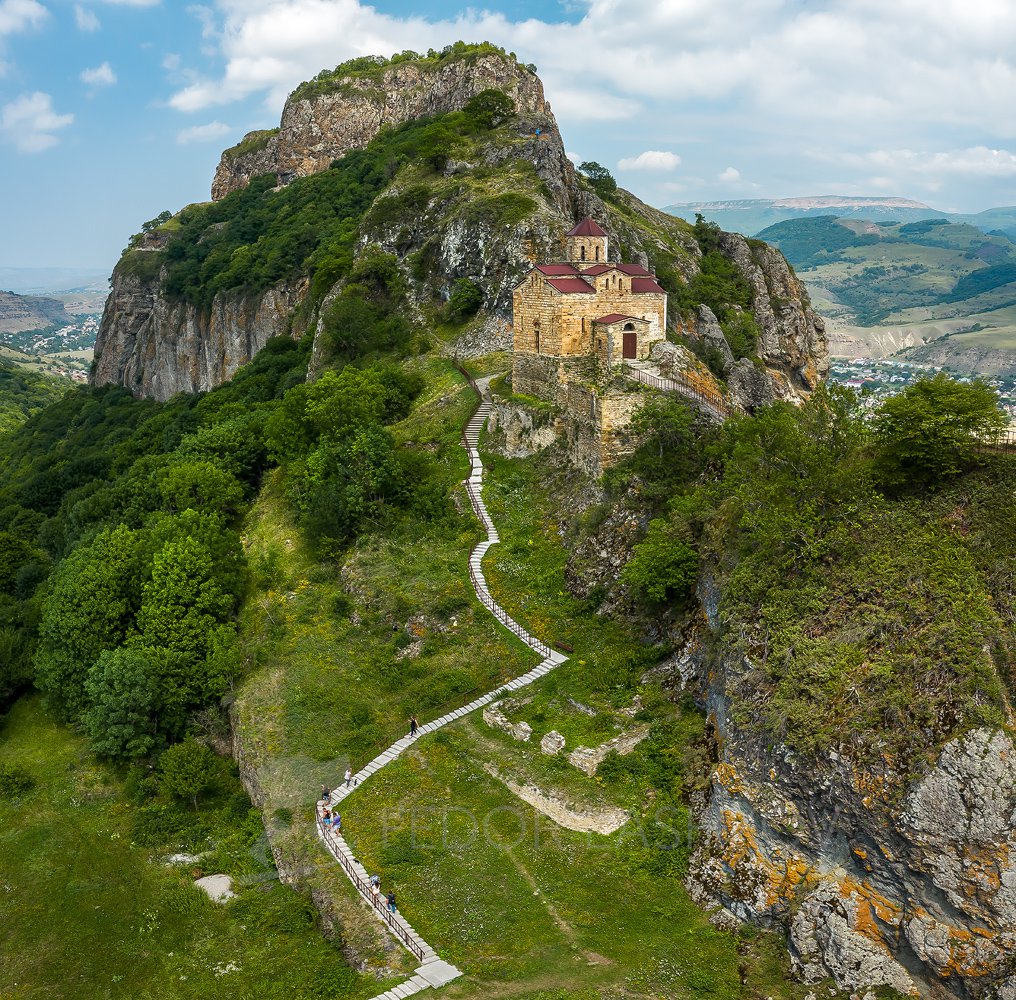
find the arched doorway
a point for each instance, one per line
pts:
(629, 341)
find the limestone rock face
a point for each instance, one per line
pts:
(156, 347)
(256, 154)
(318, 129)
(792, 341)
(917, 894)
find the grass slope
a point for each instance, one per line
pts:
(525, 907)
(89, 912)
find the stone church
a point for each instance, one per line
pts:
(581, 309)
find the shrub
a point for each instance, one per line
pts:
(14, 781)
(465, 300)
(930, 431)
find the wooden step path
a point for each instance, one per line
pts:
(432, 971)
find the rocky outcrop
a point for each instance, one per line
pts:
(257, 153)
(485, 215)
(915, 892)
(792, 342)
(156, 347)
(322, 123)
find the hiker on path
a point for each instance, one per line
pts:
(391, 902)
(349, 776)
(413, 725)
(325, 792)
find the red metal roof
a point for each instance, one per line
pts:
(570, 286)
(557, 269)
(635, 270)
(617, 317)
(587, 228)
(645, 285)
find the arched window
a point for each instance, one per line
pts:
(629, 326)
(582, 253)
(597, 253)
(536, 334)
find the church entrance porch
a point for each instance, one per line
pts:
(629, 344)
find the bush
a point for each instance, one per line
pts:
(14, 781)
(930, 431)
(466, 298)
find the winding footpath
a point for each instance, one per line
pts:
(432, 971)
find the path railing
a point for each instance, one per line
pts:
(677, 382)
(1002, 441)
(504, 618)
(379, 902)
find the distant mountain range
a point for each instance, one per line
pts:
(45, 280)
(945, 290)
(750, 217)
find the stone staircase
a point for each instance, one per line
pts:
(433, 971)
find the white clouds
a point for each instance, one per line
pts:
(651, 159)
(202, 133)
(171, 61)
(18, 15)
(133, 3)
(977, 161)
(99, 76)
(721, 79)
(85, 19)
(29, 123)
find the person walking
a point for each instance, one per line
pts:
(325, 792)
(349, 776)
(391, 902)
(413, 725)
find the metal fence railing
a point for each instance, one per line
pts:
(714, 402)
(504, 618)
(1002, 441)
(365, 889)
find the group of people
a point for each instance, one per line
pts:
(334, 820)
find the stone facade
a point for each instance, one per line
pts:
(577, 309)
(574, 323)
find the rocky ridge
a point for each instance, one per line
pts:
(487, 218)
(349, 110)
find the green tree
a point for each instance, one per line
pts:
(599, 177)
(182, 603)
(930, 431)
(664, 565)
(490, 108)
(186, 769)
(465, 300)
(123, 688)
(200, 485)
(14, 553)
(93, 598)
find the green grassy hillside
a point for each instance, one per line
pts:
(879, 271)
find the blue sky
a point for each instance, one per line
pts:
(112, 110)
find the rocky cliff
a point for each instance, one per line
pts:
(881, 884)
(156, 347)
(345, 108)
(29, 312)
(479, 205)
